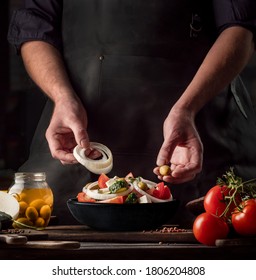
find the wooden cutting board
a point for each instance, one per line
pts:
(248, 241)
(50, 244)
(13, 239)
(83, 233)
(27, 238)
(30, 234)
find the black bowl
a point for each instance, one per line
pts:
(122, 217)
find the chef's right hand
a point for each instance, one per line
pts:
(67, 129)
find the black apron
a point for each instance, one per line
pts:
(129, 61)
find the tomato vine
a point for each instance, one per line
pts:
(245, 189)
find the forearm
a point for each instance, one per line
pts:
(45, 66)
(68, 125)
(226, 59)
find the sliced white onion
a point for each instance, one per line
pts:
(96, 166)
(9, 205)
(93, 193)
(151, 185)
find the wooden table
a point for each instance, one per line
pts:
(149, 245)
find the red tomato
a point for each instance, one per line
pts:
(207, 228)
(103, 178)
(215, 202)
(116, 200)
(82, 197)
(162, 191)
(244, 220)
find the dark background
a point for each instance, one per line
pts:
(21, 103)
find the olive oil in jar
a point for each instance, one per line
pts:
(35, 198)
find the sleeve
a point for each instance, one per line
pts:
(235, 12)
(38, 20)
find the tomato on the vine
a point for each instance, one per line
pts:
(216, 202)
(207, 228)
(244, 218)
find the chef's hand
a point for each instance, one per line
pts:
(67, 129)
(182, 149)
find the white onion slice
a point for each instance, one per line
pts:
(102, 196)
(9, 205)
(96, 166)
(150, 184)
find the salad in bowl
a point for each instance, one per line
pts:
(123, 190)
(123, 204)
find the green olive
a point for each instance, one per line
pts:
(165, 170)
(31, 213)
(143, 186)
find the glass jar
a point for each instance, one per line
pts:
(35, 198)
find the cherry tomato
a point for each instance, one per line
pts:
(103, 178)
(207, 228)
(216, 203)
(162, 191)
(244, 219)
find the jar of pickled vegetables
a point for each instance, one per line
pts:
(35, 198)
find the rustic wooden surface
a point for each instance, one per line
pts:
(148, 245)
(83, 233)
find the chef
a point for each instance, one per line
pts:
(156, 81)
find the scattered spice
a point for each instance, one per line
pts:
(171, 230)
(17, 231)
(166, 230)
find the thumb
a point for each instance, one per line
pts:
(165, 153)
(81, 137)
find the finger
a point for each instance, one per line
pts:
(165, 153)
(81, 137)
(95, 154)
(194, 167)
(156, 171)
(173, 166)
(179, 180)
(55, 149)
(64, 157)
(181, 174)
(68, 162)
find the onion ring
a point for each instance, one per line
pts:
(150, 184)
(97, 166)
(101, 196)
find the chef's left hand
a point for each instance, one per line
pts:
(182, 148)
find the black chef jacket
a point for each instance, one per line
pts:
(41, 20)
